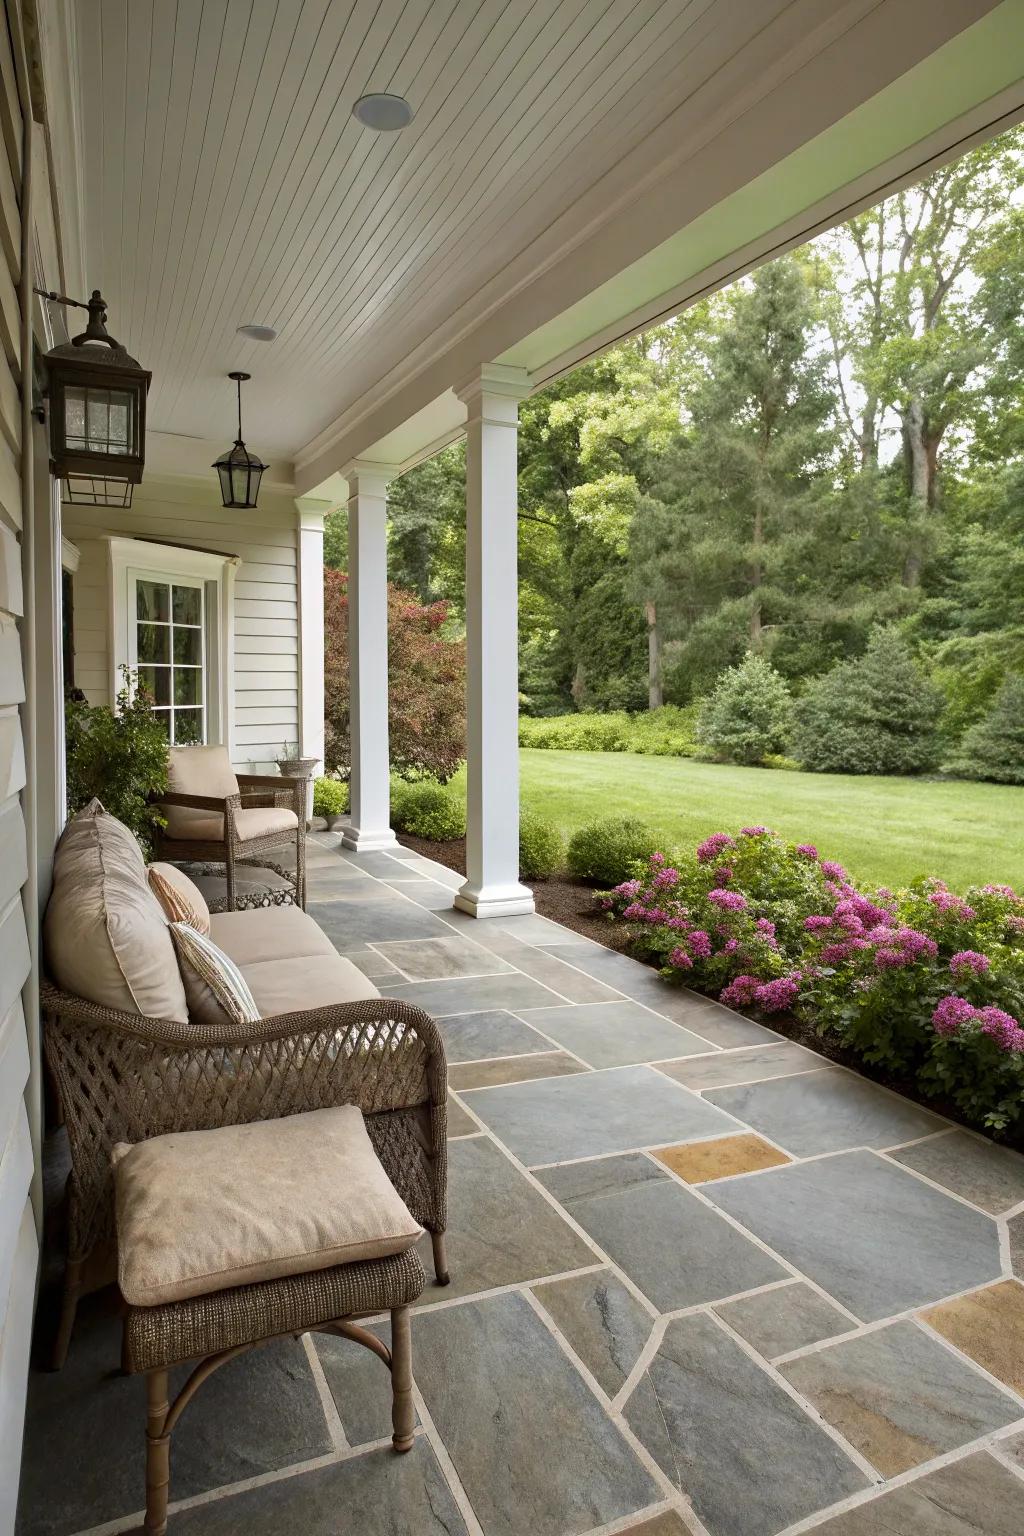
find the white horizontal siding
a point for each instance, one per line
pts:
(266, 610)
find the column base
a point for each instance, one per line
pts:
(495, 900)
(367, 840)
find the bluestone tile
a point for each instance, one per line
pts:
(471, 994)
(494, 1032)
(437, 959)
(786, 1318)
(352, 925)
(972, 1497)
(512, 1069)
(987, 1175)
(602, 1320)
(751, 1064)
(615, 1034)
(825, 1111)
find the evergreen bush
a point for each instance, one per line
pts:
(605, 851)
(427, 809)
(541, 847)
(994, 747)
(330, 797)
(118, 755)
(877, 714)
(749, 715)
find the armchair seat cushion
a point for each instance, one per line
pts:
(259, 821)
(203, 1211)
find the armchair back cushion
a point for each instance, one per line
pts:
(105, 935)
(197, 771)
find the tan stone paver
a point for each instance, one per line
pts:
(698, 1162)
(988, 1325)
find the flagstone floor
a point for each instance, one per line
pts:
(701, 1282)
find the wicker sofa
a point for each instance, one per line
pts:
(128, 1062)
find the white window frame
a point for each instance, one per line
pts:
(129, 559)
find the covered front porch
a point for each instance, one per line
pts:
(702, 1281)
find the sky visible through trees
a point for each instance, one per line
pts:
(833, 444)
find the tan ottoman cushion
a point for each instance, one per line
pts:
(201, 1211)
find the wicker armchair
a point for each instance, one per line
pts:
(213, 814)
(124, 1077)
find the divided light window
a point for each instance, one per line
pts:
(170, 653)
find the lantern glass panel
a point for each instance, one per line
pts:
(98, 420)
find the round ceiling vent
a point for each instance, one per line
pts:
(258, 332)
(383, 113)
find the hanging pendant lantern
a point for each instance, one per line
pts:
(240, 471)
(97, 415)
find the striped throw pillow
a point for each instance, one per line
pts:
(214, 986)
(180, 898)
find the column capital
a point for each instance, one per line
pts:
(369, 469)
(310, 512)
(498, 383)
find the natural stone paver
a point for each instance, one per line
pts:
(748, 1456)
(602, 1320)
(744, 1065)
(988, 1325)
(513, 1069)
(674, 1249)
(594, 1113)
(549, 1279)
(436, 959)
(900, 1397)
(380, 1494)
(534, 1450)
(702, 1161)
(866, 1231)
(989, 1176)
(493, 1032)
(973, 1497)
(615, 1034)
(826, 1111)
(464, 994)
(786, 1318)
(501, 1230)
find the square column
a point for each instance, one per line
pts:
(492, 887)
(369, 784)
(310, 515)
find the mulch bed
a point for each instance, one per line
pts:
(571, 903)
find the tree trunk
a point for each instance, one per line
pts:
(921, 450)
(655, 695)
(756, 578)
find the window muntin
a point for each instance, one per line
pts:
(169, 645)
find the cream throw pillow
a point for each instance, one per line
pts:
(214, 986)
(180, 898)
(201, 1211)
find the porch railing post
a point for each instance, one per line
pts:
(370, 821)
(492, 887)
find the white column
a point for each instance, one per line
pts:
(492, 887)
(370, 823)
(310, 570)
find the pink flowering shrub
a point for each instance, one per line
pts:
(924, 981)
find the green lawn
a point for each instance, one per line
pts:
(884, 830)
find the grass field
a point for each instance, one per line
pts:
(884, 830)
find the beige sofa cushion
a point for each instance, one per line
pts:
(106, 938)
(310, 981)
(260, 821)
(181, 900)
(197, 771)
(268, 933)
(201, 1211)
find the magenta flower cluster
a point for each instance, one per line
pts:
(712, 846)
(954, 1013)
(770, 996)
(968, 962)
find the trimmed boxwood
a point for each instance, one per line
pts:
(605, 851)
(427, 809)
(541, 847)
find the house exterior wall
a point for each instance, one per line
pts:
(265, 687)
(18, 1242)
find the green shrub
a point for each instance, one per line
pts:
(664, 732)
(427, 809)
(541, 847)
(330, 797)
(605, 851)
(994, 748)
(749, 715)
(120, 756)
(878, 714)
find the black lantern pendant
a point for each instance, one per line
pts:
(240, 471)
(97, 415)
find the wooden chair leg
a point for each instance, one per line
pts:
(158, 1453)
(403, 1412)
(68, 1309)
(440, 1246)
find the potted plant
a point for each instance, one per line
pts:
(291, 766)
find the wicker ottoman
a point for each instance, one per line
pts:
(273, 1205)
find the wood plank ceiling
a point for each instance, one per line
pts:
(227, 182)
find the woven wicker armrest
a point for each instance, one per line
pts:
(124, 1077)
(218, 803)
(269, 781)
(274, 789)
